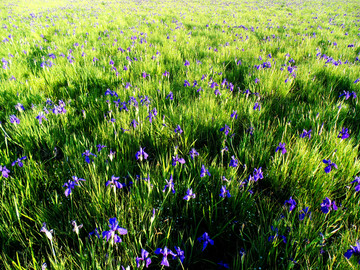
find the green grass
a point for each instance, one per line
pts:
(226, 43)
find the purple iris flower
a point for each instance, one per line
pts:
(186, 83)
(14, 119)
(180, 254)
(187, 63)
(226, 129)
(217, 92)
(111, 234)
(204, 171)
(4, 171)
(193, 153)
(234, 115)
(189, 194)
(152, 114)
(281, 147)
(111, 93)
(205, 239)
(178, 129)
(306, 134)
(18, 161)
(170, 96)
(40, 117)
(141, 154)
(343, 134)
(114, 182)
(170, 184)
(94, 232)
(330, 164)
(176, 159)
(224, 192)
(19, 107)
(257, 106)
(354, 250)
(99, 147)
(327, 205)
(134, 123)
(87, 155)
(271, 238)
(144, 257)
(223, 265)
(304, 212)
(165, 252)
(70, 185)
(292, 203)
(258, 174)
(233, 162)
(357, 180)
(165, 74)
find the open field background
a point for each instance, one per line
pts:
(253, 106)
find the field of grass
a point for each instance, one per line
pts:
(179, 134)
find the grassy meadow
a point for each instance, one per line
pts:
(179, 134)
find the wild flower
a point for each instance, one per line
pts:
(114, 183)
(40, 117)
(306, 134)
(170, 184)
(144, 257)
(226, 129)
(76, 227)
(180, 254)
(354, 250)
(357, 181)
(257, 106)
(204, 171)
(70, 185)
(193, 153)
(272, 238)
(14, 120)
(205, 240)
(19, 162)
(4, 171)
(94, 232)
(170, 96)
(234, 115)
(281, 147)
(165, 252)
(189, 194)
(140, 155)
(178, 129)
(176, 160)
(327, 205)
(111, 234)
(233, 162)
(292, 203)
(111, 93)
(87, 155)
(49, 234)
(224, 192)
(19, 107)
(330, 165)
(112, 154)
(304, 212)
(99, 147)
(344, 134)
